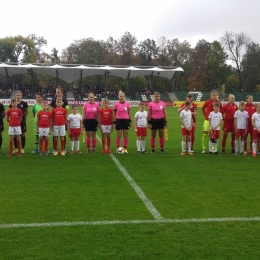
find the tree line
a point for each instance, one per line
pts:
(234, 60)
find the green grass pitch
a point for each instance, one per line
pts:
(116, 224)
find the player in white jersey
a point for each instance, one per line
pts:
(256, 130)
(186, 127)
(240, 121)
(75, 128)
(215, 120)
(141, 128)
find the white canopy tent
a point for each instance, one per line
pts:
(70, 73)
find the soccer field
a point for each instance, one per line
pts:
(146, 206)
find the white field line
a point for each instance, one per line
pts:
(149, 205)
(122, 222)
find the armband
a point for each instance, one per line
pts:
(114, 122)
(149, 122)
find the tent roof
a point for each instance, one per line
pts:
(70, 73)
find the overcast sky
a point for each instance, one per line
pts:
(62, 22)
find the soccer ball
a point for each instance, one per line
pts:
(120, 150)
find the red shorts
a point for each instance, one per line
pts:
(229, 126)
(214, 134)
(256, 134)
(141, 131)
(74, 132)
(240, 132)
(185, 132)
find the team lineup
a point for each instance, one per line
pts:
(240, 121)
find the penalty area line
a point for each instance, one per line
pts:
(149, 205)
(122, 222)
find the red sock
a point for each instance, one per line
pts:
(245, 143)
(233, 137)
(224, 140)
(11, 146)
(94, 142)
(41, 144)
(103, 143)
(108, 143)
(19, 146)
(162, 143)
(62, 142)
(55, 145)
(152, 141)
(88, 142)
(125, 142)
(46, 145)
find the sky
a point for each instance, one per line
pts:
(62, 22)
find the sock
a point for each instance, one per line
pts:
(236, 146)
(143, 145)
(46, 145)
(103, 143)
(210, 146)
(108, 143)
(36, 142)
(88, 143)
(183, 143)
(216, 146)
(224, 140)
(94, 143)
(1, 141)
(232, 142)
(251, 142)
(11, 146)
(55, 145)
(117, 142)
(125, 143)
(254, 147)
(138, 145)
(23, 141)
(72, 145)
(152, 140)
(204, 141)
(77, 145)
(19, 146)
(15, 142)
(241, 146)
(189, 147)
(62, 144)
(161, 143)
(192, 140)
(245, 143)
(41, 144)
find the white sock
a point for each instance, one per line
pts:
(77, 145)
(183, 144)
(216, 146)
(71, 145)
(254, 147)
(236, 146)
(210, 146)
(189, 146)
(143, 145)
(138, 145)
(241, 146)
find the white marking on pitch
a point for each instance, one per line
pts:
(117, 222)
(155, 213)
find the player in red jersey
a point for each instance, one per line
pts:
(251, 109)
(193, 110)
(206, 109)
(59, 119)
(14, 117)
(228, 111)
(105, 119)
(44, 119)
(2, 115)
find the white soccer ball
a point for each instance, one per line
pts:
(120, 150)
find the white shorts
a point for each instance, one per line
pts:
(59, 130)
(14, 130)
(106, 129)
(44, 131)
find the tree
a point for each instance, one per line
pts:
(147, 51)
(235, 44)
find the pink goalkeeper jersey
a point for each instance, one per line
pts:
(122, 110)
(91, 110)
(156, 109)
